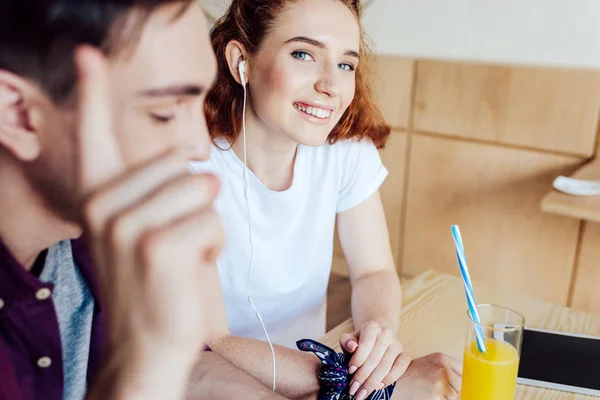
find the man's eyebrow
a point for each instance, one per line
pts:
(321, 45)
(173, 90)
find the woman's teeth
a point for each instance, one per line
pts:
(314, 111)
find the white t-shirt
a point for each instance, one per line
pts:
(292, 235)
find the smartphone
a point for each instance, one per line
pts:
(560, 361)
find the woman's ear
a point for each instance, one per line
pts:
(236, 53)
(19, 121)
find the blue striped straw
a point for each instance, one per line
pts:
(462, 263)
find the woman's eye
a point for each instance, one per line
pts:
(302, 55)
(347, 67)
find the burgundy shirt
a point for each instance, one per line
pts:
(29, 333)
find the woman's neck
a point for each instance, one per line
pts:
(270, 155)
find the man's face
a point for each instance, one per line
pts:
(157, 89)
(159, 92)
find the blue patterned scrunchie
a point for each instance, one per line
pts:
(334, 377)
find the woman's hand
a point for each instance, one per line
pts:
(378, 359)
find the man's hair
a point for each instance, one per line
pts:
(38, 37)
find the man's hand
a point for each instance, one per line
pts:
(434, 376)
(153, 233)
(378, 360)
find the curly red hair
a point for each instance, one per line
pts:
(248, 22)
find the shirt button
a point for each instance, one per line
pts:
(1, 304)
(44, 362)
(43, 294)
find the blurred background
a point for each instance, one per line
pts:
(489, 102)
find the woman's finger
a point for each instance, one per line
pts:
(349, 342)
(398, 369)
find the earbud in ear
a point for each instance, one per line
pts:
(242, 70)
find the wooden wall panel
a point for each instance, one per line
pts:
(392, 190)
(337, 247)
(394, 158)
(598, 138)
(586, 294)
(392, 89)
(547, 109)
(494, 194)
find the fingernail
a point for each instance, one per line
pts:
(90, 67)
(354, 388)
(362, 395)
(352, 369)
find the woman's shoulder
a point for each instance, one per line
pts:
(347, 148)
(339, 157)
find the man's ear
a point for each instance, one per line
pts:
(20, 117)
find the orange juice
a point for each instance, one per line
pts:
(491, 375)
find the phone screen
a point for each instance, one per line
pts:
(560, 359)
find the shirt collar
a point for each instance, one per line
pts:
(18, 284)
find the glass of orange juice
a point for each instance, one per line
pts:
(492, 375)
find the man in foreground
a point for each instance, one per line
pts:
(119, 311)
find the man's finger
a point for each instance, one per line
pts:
(128, 189)
(197, 237)
(99, 156)
(185, 195)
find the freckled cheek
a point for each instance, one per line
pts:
(283, 84)
(277, 83)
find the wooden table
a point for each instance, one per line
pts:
(433, 319)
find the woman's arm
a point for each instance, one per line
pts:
(297, 372)
(376, 293)
(379, 358)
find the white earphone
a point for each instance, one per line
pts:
(246, 287)
(242, 70)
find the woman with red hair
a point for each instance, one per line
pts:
(295, 136)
